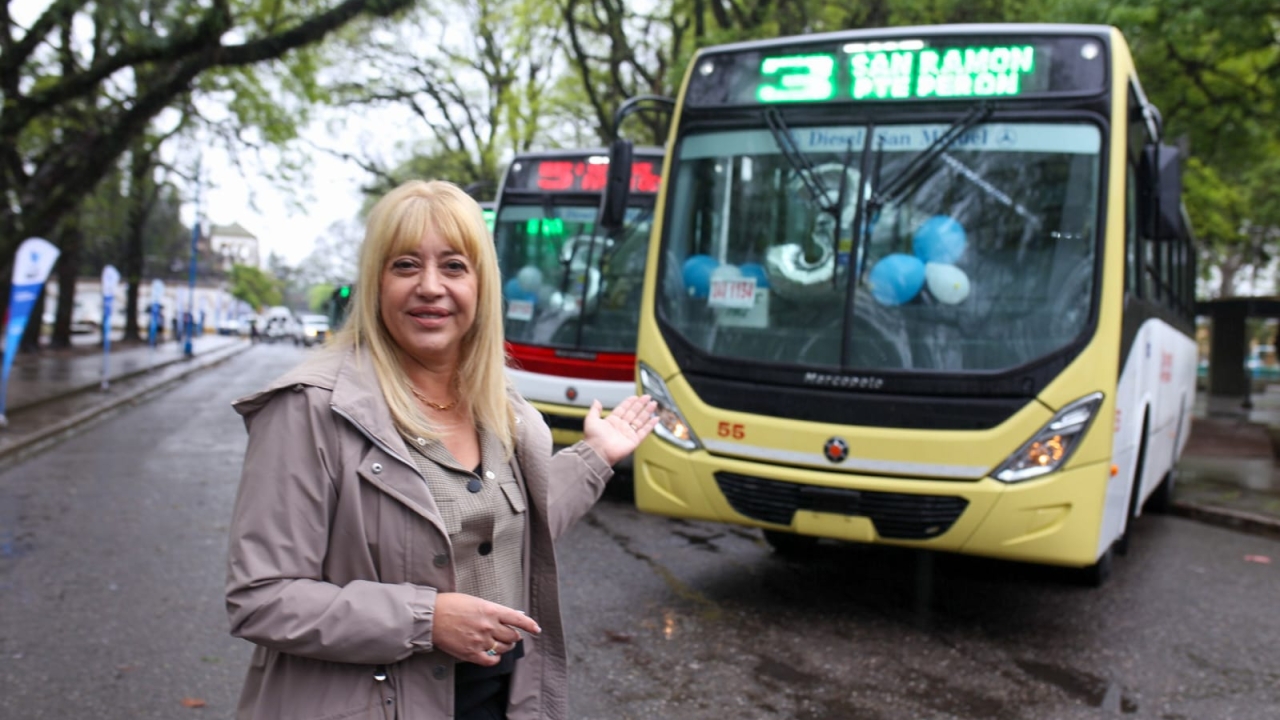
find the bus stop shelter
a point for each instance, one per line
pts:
(1230, 381)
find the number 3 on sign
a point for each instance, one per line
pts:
(733, 430)
(798, 77)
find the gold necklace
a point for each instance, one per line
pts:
(436, 406)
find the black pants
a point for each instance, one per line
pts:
(480, 693)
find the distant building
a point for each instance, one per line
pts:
(233, 245)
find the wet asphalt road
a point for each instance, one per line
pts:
(111, 551)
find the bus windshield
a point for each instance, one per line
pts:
(568, 286)
(984, 261)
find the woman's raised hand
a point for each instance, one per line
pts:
(616, 436)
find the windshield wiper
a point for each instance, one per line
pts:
(899, 185)
(907, 178)
(799, 162)
(812, 180)
(861, 210)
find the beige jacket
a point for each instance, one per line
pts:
(337, 551)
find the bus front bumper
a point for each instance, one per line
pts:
(1052, 520)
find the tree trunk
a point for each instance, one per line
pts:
(141, 189)
(70, 239)
(1227, 284)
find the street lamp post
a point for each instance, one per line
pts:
(189, 320)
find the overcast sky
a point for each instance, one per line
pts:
(288, 221)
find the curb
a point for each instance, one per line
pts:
(43, 437)
(123, 377)
(1239, 520)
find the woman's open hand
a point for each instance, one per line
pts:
(616, 436)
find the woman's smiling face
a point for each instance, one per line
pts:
(427, 300)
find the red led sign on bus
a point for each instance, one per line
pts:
(583, 176)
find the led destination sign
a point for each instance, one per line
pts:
(583, 174)
(899, 74)
(900, 70)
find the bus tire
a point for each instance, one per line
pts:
(1096, 575)
(1161, 500)
(790, 545)
(1121, 543)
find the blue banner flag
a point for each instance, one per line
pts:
(31, 267)
(110, 280)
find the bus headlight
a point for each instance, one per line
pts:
(1049, 448)
(672, 426)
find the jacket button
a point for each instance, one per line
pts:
(485, 548)
(377, 468)
(488, 474)
(474, 485)
(440, 560)
(439, 672)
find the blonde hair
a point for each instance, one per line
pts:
(397, 224)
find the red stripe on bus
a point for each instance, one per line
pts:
(543, 360)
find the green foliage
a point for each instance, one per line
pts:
(318, 297)
(1213, 69)
(82, 81)
(255, 287)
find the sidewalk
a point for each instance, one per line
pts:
(55, 391)
(1229, 473)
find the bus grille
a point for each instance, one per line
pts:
(900, 516)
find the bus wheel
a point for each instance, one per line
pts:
(1161, 500)
(790, 545)
(1096, 574)
(1121, 543)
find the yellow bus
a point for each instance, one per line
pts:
(927, 286)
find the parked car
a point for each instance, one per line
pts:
(311, 330)
(276, 328)
(231, 326)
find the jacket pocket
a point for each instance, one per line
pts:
(514, 496)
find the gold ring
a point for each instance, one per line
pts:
(493, 650)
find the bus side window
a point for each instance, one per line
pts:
(1142, 257)
(1132, 263)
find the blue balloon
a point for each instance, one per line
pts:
(896, 279)
(755, 270)
(512, 290)
(940, 239)
(697, 275)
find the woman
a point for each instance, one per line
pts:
(391, 544)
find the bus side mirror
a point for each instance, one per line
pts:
(617, 189)
(1169, 223)
(1160, 199)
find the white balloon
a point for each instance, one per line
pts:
(947, 283)
(726, 272)
(530, 278)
